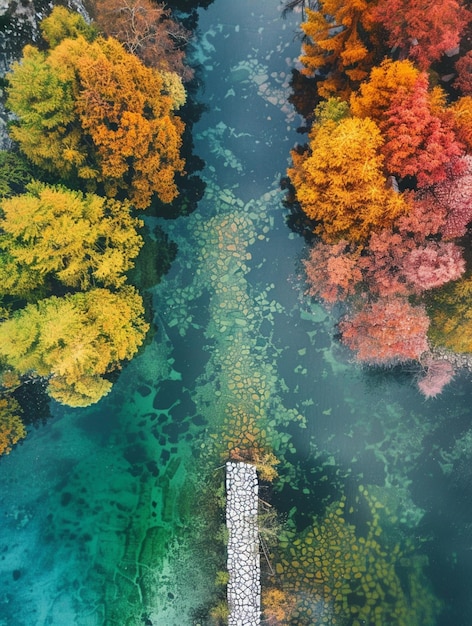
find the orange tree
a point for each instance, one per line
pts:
(339, 180)
(341, 44)
(88, 109)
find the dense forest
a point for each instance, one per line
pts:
(385, 178)
(96, 138)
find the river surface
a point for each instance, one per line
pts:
(110, 514)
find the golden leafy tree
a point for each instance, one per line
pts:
(75, 341)
(341, 44)
(450, 312)
(12, 428)
(92, 110)
(339, 181)
(63, 24)
(78, 239)
(278, 606)
(374, 96)
(461, 111)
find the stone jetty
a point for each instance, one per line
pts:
(244, 586)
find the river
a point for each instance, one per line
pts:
(110, 514)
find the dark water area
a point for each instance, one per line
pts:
(108, 513)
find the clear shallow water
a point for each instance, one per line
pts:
(107, 512)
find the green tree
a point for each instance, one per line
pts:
(15, 173)
(80, 240)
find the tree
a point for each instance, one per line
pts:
(80, 240)
(461, 111)
(339, 181)
(387, 332)
(278, 606)
(92, 110)
(382, 263)
(147, 30)
(340, 46)
(333, 271)
(425, 30)
(374, 96)
(15, 173)
(453, 195)
(463, 81)
(451, 316)
(12, 429)
(75, 341)
(433, 265)
(417, 143)
(63, 24)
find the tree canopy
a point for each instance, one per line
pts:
(91, 110)
(339, 44)
(340, 183)
(385, 176)
(147, 30)
(425, 30)
(79, 240)
(75, 341)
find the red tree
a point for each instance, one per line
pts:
(387, 332)
(433, 265)
(422, 28)
(417, 143)
(382, 262)
(332, 271)
(463, 81)
(426, 217)
(455, 197)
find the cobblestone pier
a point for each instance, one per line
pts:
(244, 586)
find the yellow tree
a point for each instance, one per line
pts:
(341, 44)
(75, 341)
(92, 110)
(63, 24)
(451, 316)
(78, 239)
(12, 428)
(339, 181)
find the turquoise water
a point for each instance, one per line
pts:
(110, 514)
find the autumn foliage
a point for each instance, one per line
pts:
(12, 429)
(147, 30)
(91, 110)
(385, 179)
(340, 181)
(79, 240)
(340, 44)
(422, 29)
(90, 114)
(387, 332)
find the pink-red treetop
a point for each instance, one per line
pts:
(332, 271)
(417, 142)
(387, 332)
(423, 29)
